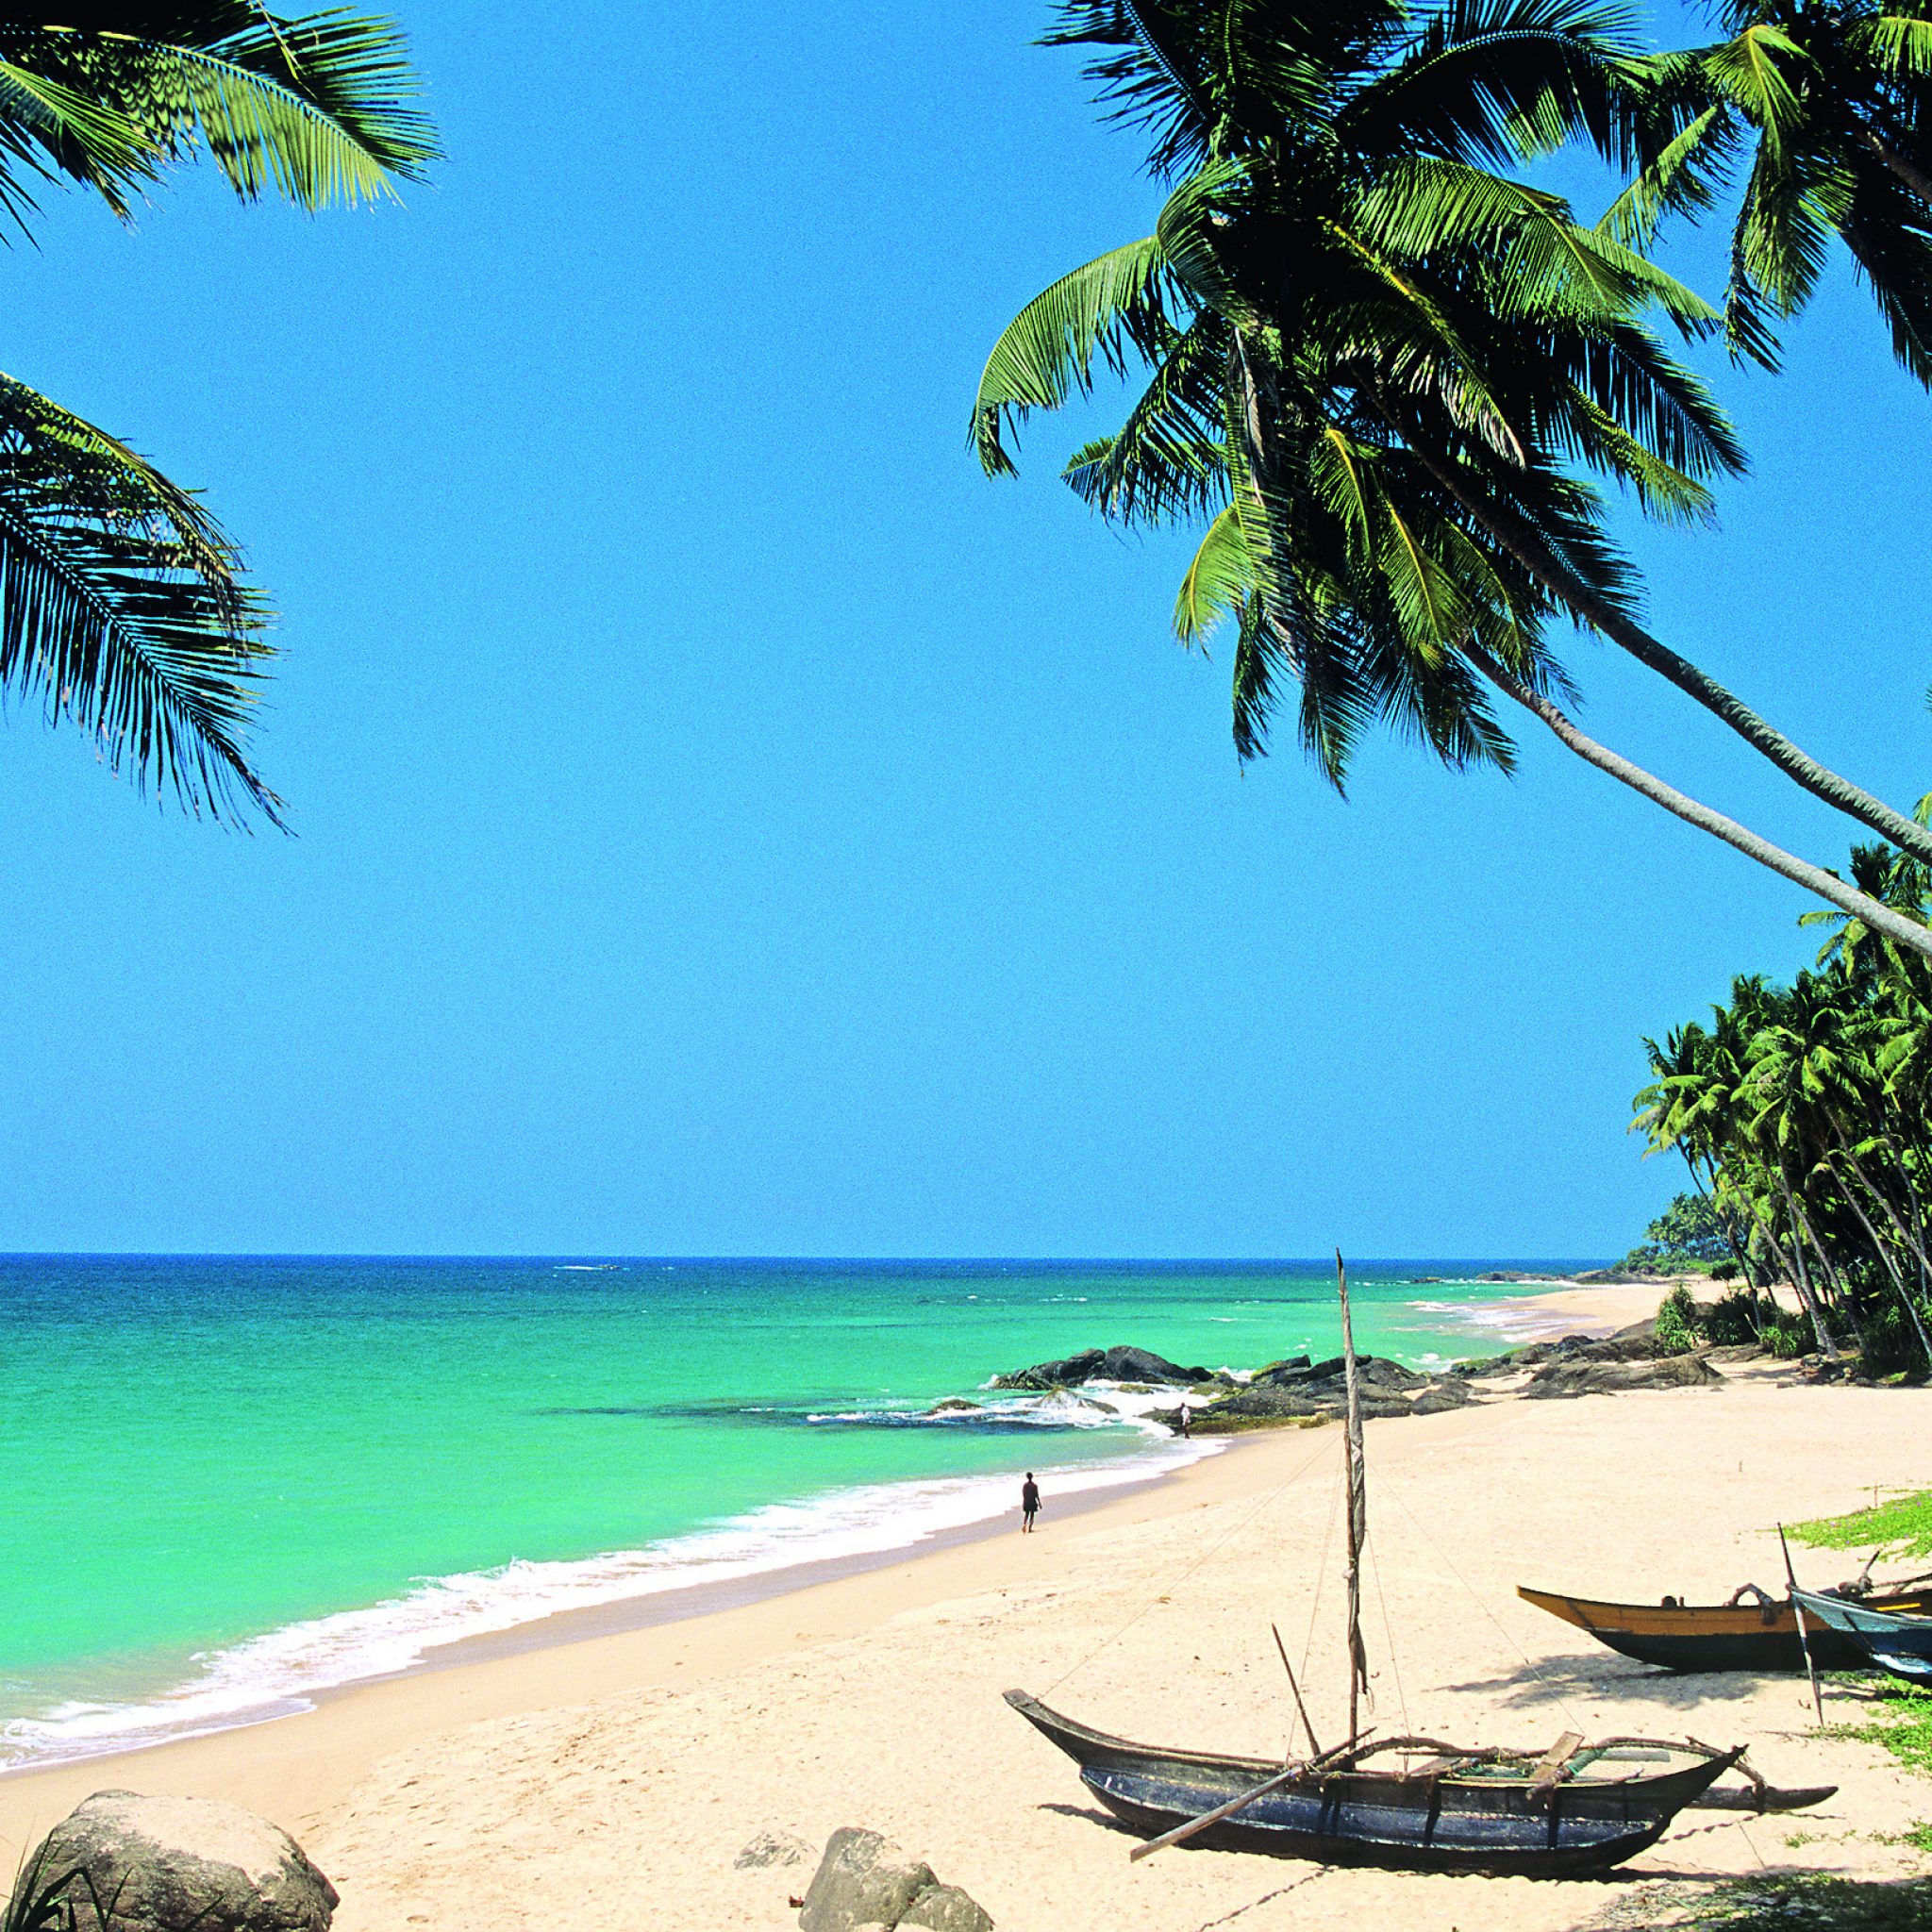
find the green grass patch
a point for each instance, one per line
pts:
(1902, 1722)
(1779, 1905)
(1905, 1521)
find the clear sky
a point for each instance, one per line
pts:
(729, 825)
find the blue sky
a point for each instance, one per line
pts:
(729, 825)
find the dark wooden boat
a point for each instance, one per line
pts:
(1405, 1802)
(1761, 1636)
(1412, 1802)
(1896, 1641)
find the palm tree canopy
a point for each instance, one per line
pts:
(122, 604)
(1379, 366)
(1827, 111)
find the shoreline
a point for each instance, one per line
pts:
(1561, 1307)
(634, 1765)
(290, 1766)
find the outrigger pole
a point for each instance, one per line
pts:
(1358, 1509)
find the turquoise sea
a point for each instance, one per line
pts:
(232, 1483)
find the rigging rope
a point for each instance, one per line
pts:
(1269, 1498)
(1321, 1572)
(1388, 1633)
(1562, 1703)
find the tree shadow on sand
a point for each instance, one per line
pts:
(1771, 1901)
(1587, 1677)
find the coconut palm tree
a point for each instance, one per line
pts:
(1831, 107)
(122, 603)
(1378, 364)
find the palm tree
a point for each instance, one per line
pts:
(1832, 104)
(122, 604)
(1375, 362)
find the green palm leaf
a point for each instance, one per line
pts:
(1111, 305)
(121, 606)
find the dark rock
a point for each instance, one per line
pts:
(946, 1908)
(1102, 1365)
(955, 1405)
(1481, 1366)
(179, 1865)
(1562, 1379)
(864, 1879)
(1289, 1370)
(1440, 1396)
(773, 1848)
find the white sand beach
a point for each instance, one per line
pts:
(617, 1775)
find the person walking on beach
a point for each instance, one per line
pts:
(1187, 1420)
(1029, 1504)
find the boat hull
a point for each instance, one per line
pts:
(1893, 1640)
(1691, 1638)
(1450, 1824)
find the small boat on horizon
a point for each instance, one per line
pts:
(1758, 1636)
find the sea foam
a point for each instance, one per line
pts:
(283, 1672)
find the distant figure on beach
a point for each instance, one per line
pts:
(1029, 1504)
(1187, 1420)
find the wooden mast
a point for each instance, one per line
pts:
(1358, 1509)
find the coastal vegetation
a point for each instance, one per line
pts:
(1383, 368)
(124, 606)
(1803, 1114)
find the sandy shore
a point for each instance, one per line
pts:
(615, 1777)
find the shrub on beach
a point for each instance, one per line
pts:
(1677, 1319)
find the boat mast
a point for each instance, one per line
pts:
(1357, 1511)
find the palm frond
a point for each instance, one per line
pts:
(122, 607)
(1112, 308)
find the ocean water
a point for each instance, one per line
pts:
(231, 1484)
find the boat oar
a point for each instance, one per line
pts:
(1183, 1832)
(1798, 1611)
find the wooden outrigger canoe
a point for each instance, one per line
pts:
(1412, 1802)
(1761, 1636)
(1893, 1638)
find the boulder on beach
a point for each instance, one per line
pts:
(142, 1864)
(773, 1848)
(1120, 1364)
(865, 1883)
(946, 1908)
(1560, 1380)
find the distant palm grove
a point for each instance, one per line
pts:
(1385, 377)
(1803, 1114)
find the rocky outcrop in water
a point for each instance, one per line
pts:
(120, 1862)
(866, 1883)
(1102, 1365)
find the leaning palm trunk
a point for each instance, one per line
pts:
(1878, 1195)
(1801, 1279)
(1548, 569)
(1915, 178)
(1882, 1248)
(1828, 886)
(1723, 1221)
(1841, 1295)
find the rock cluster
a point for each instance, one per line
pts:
(120, 1862)
(1304, 1392)
(1102, 1365)
(866, 1883)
